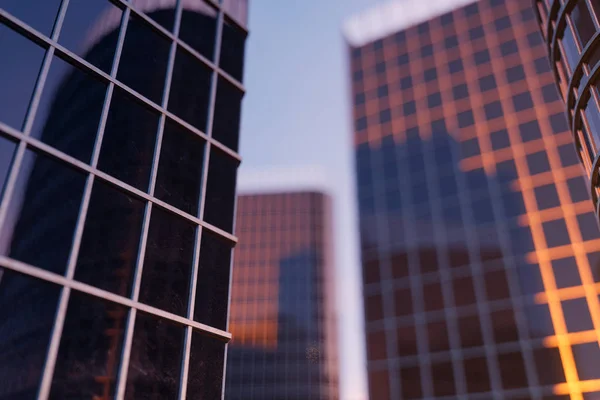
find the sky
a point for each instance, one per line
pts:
(296, 129)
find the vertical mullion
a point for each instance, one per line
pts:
(31, 113)
(127, 344)
(201, 203)
(64, 298)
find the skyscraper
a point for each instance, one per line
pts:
(282, 300)
(480, 259)
(570, 31)
(118, 144)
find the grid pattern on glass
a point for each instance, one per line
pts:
(282, 297)
(459, 248)
(572, 33)
(67, 185)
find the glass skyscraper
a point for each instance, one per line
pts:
(283, 322)
(119, 125)
(480, 250)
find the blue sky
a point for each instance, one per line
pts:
(296, 116)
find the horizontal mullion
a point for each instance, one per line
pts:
(39, 145)
(39, 273)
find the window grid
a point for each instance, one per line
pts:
(26, 141)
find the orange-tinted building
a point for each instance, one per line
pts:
(480, 251)
(282, 300)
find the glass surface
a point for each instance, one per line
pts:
(232, 49)
(502, 23)
(144, 46)
(156, 358)
(588, 226)
(18, 73)
(476, 32)
(567, 155)
(24, 335)
(512, 370)
(205, 376)
(515, 74)
(129, 138)
(43, 212)
(434, 100)
(481, 57)
(577, 315)
(109, 246)
(464, 293)
(549, 366)
(430, 74)
(530, 131)
(168, 262)
(179, 177)
(443, 379)
(213, 281)
(460, 91)
(522, 101)
(465, 119)
(70, 109)
(571, 53)
(477, 375)
(556, 233)
(90, 349)
(509, 47)
(499, 139)
(7, 151)
(403, 301)
(411, 383)
(578, 189)
(493, 110)
(538, 162)
(190, 89)
(40, 16)
(587, 356)
(546, 196)
(437, 334)
(565, 272)
(220, 191)
(541, 65)
(90, 30)
(487, 83)
(504, 326)
(550, 93)
(470, 331)
(198, 29)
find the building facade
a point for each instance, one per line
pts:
(570, 30)
(284, 342)
(480, 252)
(118, 146)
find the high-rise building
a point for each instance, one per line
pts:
(119, 124)
(282, 300)
(480, 252)
(570, 31)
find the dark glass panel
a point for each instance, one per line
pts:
(588, 226)
(373, 307)
(586, 358)
(539, 320)
(538, 162)
(556, 233)
(220, 191)
(522, 101)
(205, 377)
(156, 358)
(504, 326)
(433, 297)
(487, 83)
(142, 42)
(437, 334)
(403, 302)
(213, 280)
(179, 177)
(470, 332)
(481, 57)
(477, 375)
(546, 196)
(530, 131)
(44, 212)
(550, 93)
(70, 109)
(460, 91)
(464, 293)
(549, 366)
(376, 345)
(577, 315)
(578, 189)
(18, 73)
(499, 139)
(129, 138)
(406, 337)
(567, 155)
(565, 272)
(493, 110)
(190, 89)
(379, 384)
(168, 262)
(442, 375)
(512, 370)
(232, 50)
(90, 349)
(496, 285)
(27, 311)
(198, 28)
(411, 383)
(40, 16)
(109, 246)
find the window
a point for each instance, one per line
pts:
(499, 139)
(382, 91)
(522, 101)
(530, 131)
(578, 190)
(426, 51)
(509, 47)
(565, 272)
(577, 315)
(359, 99)
(541, 65)
(460, 91)
(502, 23)
(506, 171)
(380, 67)
(470, 148)
(476, 33)
(455, 66)
(547, 197)
(423, 28)
(409, 107)
(481, 57)
(434, 100)
(567, 155)
(549, 93)
(465, 119)
(406, 82)
(556, 233)
(385, 116)
(430, 74)
(558, 122)
(586, 356)
(451, 42)
(582, 22)
(402, 59)
(534, 39)
(358, 76)
(538, 162)
(588, 226)
(360, 123)
(515, 74)
(472, 9)
(400, 37)
(487, 83)
(378, 45)
(447, 19)
(493, 110)
(527, 14)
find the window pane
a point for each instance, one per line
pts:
(232, 50)
(198, 28)
(205, 378)
(220, 191)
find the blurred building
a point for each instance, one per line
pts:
(120, 170)
(570, 30)
(282, 317)
(480, 252)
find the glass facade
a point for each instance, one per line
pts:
(282, 300)
(570, 29)
(117, 185)
(480, 257)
